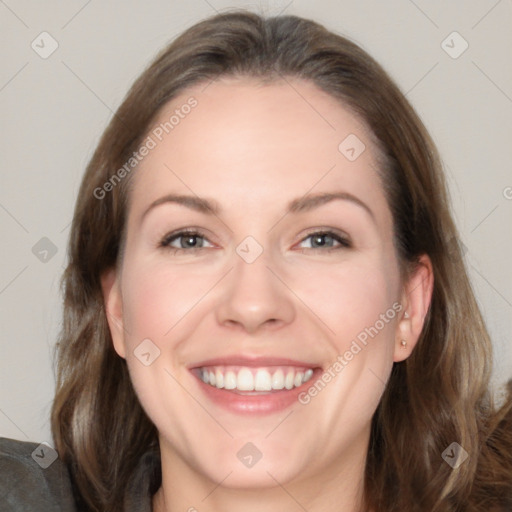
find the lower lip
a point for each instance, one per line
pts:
(264, 403)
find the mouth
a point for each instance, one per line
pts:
(245, 379)
(250, 386)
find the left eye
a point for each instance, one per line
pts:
(326, 239)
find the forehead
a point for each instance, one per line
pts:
(254, 142)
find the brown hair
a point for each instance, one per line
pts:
(439, 395)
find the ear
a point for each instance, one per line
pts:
(114, 309)
(416, 297)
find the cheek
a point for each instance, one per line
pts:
(350, 298)
(157, 297)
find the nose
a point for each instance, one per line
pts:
(255, 297)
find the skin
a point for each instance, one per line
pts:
(253, 148)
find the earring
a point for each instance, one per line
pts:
(403, 343)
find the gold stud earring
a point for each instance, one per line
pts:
(403, 343)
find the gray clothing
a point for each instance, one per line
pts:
(26, 485)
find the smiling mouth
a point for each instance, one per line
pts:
(253, 385)
(251, 381)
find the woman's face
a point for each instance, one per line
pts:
(289, 283)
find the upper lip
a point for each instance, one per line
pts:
(253, 361)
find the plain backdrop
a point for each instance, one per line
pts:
(55, 107)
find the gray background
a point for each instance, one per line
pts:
(54, 110)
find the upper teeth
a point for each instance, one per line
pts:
(255, 379)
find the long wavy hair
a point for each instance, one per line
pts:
(439, 395)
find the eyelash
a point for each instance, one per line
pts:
(171, 237)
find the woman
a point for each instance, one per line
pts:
(266, 306)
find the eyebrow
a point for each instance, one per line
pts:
(299, 205)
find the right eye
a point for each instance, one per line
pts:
(187, 240)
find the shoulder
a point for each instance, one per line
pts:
(33, 478)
